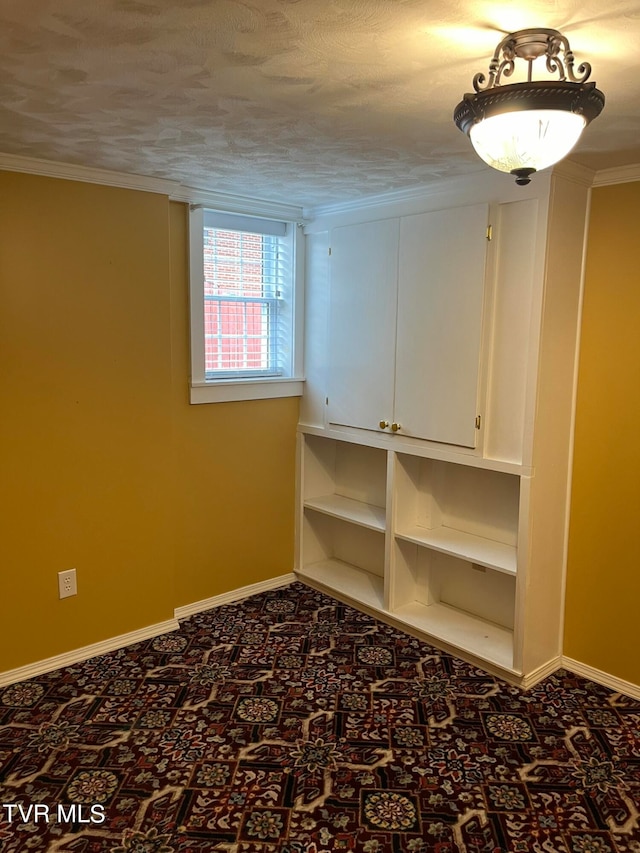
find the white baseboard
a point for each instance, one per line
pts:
(548, 668)
(618, 685)
(233, 595)
(33, 670)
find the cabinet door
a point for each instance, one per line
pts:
(364, 259)
(439, 330)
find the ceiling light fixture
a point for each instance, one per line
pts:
(524, 127)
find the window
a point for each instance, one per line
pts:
(244, 307)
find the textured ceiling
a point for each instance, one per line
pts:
(303, 101)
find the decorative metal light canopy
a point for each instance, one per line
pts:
(524, 127)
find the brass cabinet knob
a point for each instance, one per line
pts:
(383, 424)
(395, 427)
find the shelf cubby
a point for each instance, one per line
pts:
(344, 480)
(346, 558)
(458, 510)
(456, 601)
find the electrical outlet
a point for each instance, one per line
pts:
(67, 583)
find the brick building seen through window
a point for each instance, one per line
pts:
(240, 292)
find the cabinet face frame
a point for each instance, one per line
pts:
(521, 633)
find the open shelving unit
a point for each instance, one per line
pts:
(430, 543)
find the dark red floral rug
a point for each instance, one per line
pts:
(290, 723)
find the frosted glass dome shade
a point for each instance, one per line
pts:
(526, 139)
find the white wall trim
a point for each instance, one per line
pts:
(230, 203)
(23, 673)
(71, 172)
(542, 672)
(224, 392)
(572, 171)
(234, 595)
(262, 207)
(416, 191)
(574, 413)
(173, 189)
(618, 685)
(619, 175)
(33, 670)
(41, 667)
(566, 168)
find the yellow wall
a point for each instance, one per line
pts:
(234, 470)
(603, 585)
(104, 465)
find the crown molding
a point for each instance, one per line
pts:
(173, 189)
(618, 175)
(72, 172)
(292, 213)
(482, 181)
(230, 203)
(575, 172)
(393, 196)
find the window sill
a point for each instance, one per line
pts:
(222, 391)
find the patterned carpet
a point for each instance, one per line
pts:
(290, 723)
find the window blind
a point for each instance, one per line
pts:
(247, 296)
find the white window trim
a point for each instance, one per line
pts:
(204, 390)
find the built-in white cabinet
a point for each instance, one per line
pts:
(407, 298)
(453, 525)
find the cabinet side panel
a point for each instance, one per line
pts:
(300, 476)
(316, 304)
(509, 358)
(552, 434)
(362, 314)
